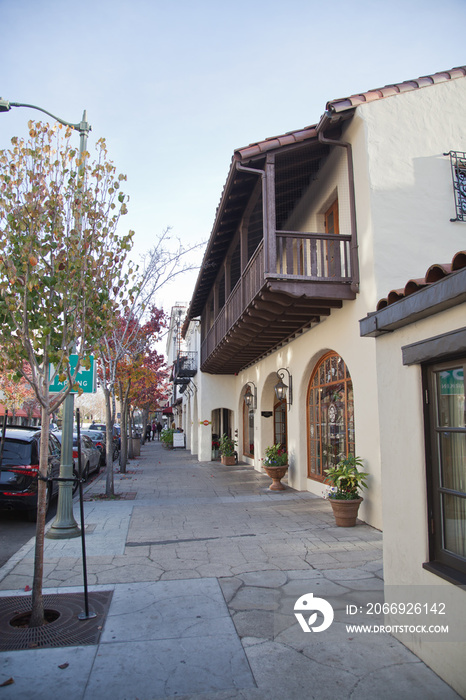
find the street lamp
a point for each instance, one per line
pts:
(64, 525)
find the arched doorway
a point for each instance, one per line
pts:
(330, 415)
(221, 425)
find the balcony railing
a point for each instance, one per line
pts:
(185, 366)
(310, 257)
(317, 257)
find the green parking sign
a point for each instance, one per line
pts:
(85, 377)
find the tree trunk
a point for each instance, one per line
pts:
(37, 615)
(109, 484)
(124, 428)
(124, 440)
(131, 428)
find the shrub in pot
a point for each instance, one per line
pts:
(166, 437)
(345, 481)
(227, 450)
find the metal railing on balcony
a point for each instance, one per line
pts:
(185, 365)
(311, 257)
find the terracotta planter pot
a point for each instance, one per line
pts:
(345, 512)
(228, 460)
(276, 474)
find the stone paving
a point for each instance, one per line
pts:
(185, 521)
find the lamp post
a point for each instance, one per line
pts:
(64, 525)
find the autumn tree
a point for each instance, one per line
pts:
(15, 392)
(60, 258)
(149, 386)
(166, 260)
(133, 368)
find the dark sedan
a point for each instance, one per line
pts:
(20, 466)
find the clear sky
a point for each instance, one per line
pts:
(176, 85)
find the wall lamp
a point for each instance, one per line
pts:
(281, 388)
(249, 397)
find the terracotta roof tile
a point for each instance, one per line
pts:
(459, 261)
(437, 272)
(414, 286)
(269, 144)
(342, 104)
(434, 274)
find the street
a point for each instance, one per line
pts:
(16, 530)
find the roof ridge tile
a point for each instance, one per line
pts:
(435, 273)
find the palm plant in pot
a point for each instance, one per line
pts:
(345, 481)
(227, 450)
(276, 465)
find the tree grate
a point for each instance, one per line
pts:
(67, 630)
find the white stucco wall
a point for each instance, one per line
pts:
(340, 333)
(410, 185)
(404, 497)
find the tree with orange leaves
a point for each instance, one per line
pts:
(14, 392)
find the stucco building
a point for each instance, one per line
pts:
(313, 227)
(420, 337)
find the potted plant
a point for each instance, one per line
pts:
(227, 450)
(345, 481)
(276, 465)
(166, 438)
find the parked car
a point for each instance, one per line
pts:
(98, 426)
(90, 454)
(101, 427)
(20, 466)
(99, 441)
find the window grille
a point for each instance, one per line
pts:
(458, 173)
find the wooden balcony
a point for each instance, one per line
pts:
(310, 274)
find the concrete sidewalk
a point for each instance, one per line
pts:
(206, 565)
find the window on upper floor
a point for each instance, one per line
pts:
(446, 468)
(331, 221)
(458, 172)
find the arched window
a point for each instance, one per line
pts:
(279, 423)
(330, 415)
(248, 430)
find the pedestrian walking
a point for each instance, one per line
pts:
(159, 430)
(154, 429)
